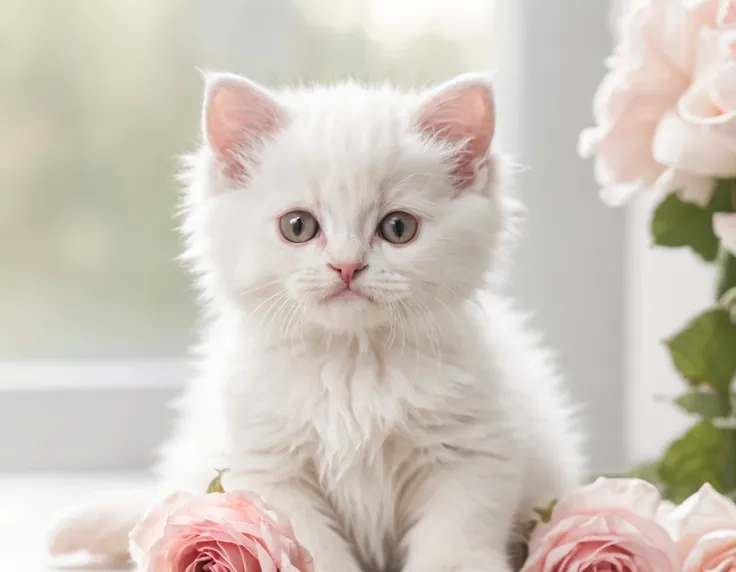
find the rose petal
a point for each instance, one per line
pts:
(227, 532)
(714, 551)
(690, 188)
(631, 496)
(150, 529)
(198, 562)
(628, 113)
(726, 13)
(212, 559)
(668, 100)
(722, 87)
(707, 511)
(560, 545)
(724, 225)
(231, 555)
(699, 512)
(180, 554)
(699, 134)
(268, 560)
(702, 146)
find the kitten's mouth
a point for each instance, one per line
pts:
(346, 295)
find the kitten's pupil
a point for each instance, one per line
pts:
(297, 225)
(398, 226)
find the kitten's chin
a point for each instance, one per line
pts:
(346, 312)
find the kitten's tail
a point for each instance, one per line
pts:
(99, 528)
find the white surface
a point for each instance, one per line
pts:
(29, 503)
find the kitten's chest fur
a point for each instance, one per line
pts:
(366, 422)
(362, 448)
(364, 438)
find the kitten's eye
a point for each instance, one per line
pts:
(398, 227)
(298, 226)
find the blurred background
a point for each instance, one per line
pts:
(98, 99)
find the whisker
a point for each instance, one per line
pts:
(391, 328)
(302, 321)
(404, 304)
(295, 316)
(442, 302)
(430, 331)
(402, 316)
(437, 332)
(254, 310)
(268, 311)
(441, 286)
(256, 288)
(287, 323)
(273, 318)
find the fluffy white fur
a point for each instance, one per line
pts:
(414, 432)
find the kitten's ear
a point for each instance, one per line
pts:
(462, 112)
(237, 115)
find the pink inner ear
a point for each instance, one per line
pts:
(237, 115)
(462, 113)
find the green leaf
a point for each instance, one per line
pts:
(704, 403)
(215, 485)
(705, 351)
(678, 223)
(695, 459)
(646, 472)
(729, 460)
(545, 514)
(726, 273)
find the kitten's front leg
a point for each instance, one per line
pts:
(313, 519)
(463, 514)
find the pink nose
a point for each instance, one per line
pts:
(348, 270)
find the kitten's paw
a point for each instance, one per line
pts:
(320, 565)
(490, 568)
(490, 565)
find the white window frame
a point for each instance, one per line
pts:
(86, 415)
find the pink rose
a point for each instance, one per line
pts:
(221, 532)
(666, 110)
(699, 133)
(704, 528)
(609, 525)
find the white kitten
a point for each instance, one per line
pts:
(358, 371)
